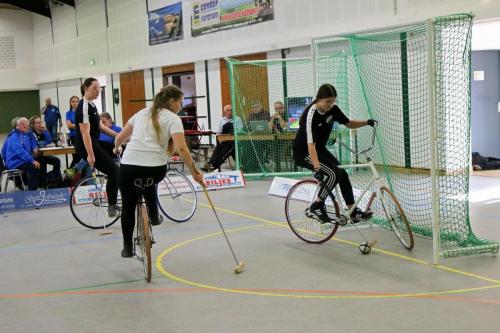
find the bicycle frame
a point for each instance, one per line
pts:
(375, 178)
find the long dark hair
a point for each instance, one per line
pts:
(87, 83)
(325, 91)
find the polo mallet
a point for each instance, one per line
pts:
(240, 265)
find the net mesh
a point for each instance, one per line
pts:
(384, 75)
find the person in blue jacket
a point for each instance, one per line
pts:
(43, 139)
(52, 117)
(18, 152)
(70, 123)
(108, 142)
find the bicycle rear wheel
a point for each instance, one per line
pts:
(143, 240)
(396, 217)
(297, 203)
(176, 197)
(89, 203)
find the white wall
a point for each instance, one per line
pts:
(124, 46)
(20, 75)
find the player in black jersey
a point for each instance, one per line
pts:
(309, 149)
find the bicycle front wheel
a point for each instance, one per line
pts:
(176, 197)
(297, 203)
(396, 217)
(89, 203)
(143, 240)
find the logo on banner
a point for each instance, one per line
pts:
(219, 180)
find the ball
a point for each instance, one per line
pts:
(365, 248)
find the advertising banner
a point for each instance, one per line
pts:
(165, 24)
(34, 199)
(220, 180)
(214, 15)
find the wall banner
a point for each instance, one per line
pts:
(214, 15)
(165, 24)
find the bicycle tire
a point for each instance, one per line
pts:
(297, 201)
(397, 218)
(176, 197)
(143, 240)
(88, 203)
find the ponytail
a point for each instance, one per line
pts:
(162, 101)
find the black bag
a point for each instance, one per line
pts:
(228, 128)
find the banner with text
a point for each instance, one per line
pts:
(214, 15)
(34, 199)
(220, 180)
(165, 24)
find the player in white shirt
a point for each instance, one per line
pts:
(154, 133)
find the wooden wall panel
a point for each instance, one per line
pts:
(132, 88)
(189, 67)
(253, 83)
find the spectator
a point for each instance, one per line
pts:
(43, 139)
(258, 113)
(19, 150)
(277, 122)
(52, 117)
(224, 149)
(108, 142)
(70, 123)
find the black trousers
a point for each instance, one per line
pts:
(44, 161)
(76, 158)
(221, 152)
(332, 173)
(128, 174)
(31, 176)
(105, 164)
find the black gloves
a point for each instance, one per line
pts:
(371, 122)
(318, 175)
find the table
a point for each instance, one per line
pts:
(57, 151)
(196, 144)
(279, 144)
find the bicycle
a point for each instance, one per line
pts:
(176, 196)
(304, 193)
(89, 202)
(144, 233)
(176, 199)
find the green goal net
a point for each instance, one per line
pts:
(413, 79)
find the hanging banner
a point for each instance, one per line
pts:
(214, 15)
(165, 24)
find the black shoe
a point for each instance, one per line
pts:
(318, 211)
(358, 215)
(114, 210)
(157, 221)
(127, 251)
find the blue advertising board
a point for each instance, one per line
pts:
(34, 199)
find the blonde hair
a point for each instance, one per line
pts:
(162, 101)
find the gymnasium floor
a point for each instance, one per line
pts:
(57, 276)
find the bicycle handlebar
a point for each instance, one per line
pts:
(367, 149)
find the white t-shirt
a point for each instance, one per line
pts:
(143, 148)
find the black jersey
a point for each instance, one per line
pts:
(316, 128)
(86, 112)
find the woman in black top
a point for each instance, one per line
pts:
(309, 149)
(88, 127)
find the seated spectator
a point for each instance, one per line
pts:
(258, 113)
(277, 122)
(108, 142)
(19, 150)
(43, 139)
(224, 149)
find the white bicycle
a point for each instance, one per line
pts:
(305, 192)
